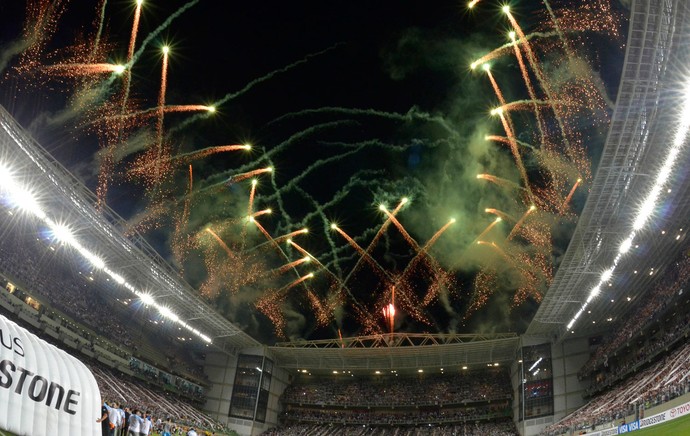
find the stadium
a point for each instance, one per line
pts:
(90, 305)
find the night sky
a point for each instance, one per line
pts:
(354, 104)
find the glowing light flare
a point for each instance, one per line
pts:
(147, 299)
(625, 245)
(166, 312)
(606, 275)
(472, 4)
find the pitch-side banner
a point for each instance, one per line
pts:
(43, 390)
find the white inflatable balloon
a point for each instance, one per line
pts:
(43, 390)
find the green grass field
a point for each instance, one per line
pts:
(680, 426)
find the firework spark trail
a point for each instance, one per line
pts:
(131, 60)
(504, 216)
(374, 264)
(304, 252)
(222, 177)
(324, 309)
(40, 26)
(191, 156)
(570, 196)
(500, 181)
(206, 152)
(288, 266)
(519, 222)
(505, 49)
(127, 76)
(402, 230)
(488, 229)
(280, 238)
(100, 20)
(506, 140)
(433, 264)
(500, 251)
(77, 69)
(376, 238)
(270, 239)
(539, 74)
(530, 91)
(420, 255)
(151, 112)
(223, 245)
(570, 53)
(107, 166)
(249, 174)
(253, 83)
(252, 193)
(135, 30)
(261, 212)
(516, 154)
(161, 112)
(277, 246)
(180, 242)
(499, 94)
(521, 105)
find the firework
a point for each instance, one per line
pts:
(72, 70)
(488, 228)
(515, 151)
(472, 4)
(520, 221)
(141, 145)
(364, 255)
(570, 195)
(249, 174)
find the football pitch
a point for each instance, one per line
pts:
(680, 426)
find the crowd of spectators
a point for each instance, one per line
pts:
(401, 416)
(33, 262)
(664, 380)
(653, 304)
(462, 388)
(476, 428)
(61, 283)
(642, 351)
(162, 406)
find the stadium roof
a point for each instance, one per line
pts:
(129, 260)
(400, 352)
(644, 122)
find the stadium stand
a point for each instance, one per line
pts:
(443, 390)
(665, 378)
(497, 428)
(650, 323)
(476, 401)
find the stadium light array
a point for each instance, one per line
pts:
(647, 207)
(21, 197)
